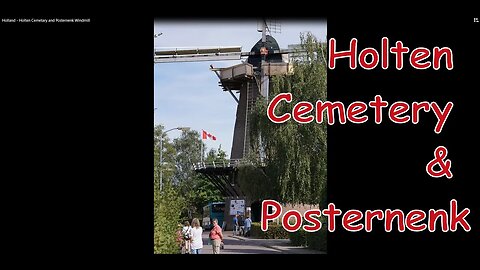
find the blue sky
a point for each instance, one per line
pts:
(187, 94)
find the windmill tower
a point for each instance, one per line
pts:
(251, 80)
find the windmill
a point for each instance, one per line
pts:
(251, 79)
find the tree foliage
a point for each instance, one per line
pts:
(167, 209)
(295, 154)
(196, 189)
(167, 202)
(187, 147)
(184, 192)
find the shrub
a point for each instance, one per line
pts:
(167, 211)
(316, 240)
(298, 238)
(274, 231)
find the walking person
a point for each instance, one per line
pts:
(248, 225)
(235, 225)
(241, 227)
(197, 243)
(216, 236)
(187, 237)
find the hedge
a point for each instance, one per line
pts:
(275, 231)
(316, 240)
(298, 238)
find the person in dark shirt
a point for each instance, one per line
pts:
(240, 225)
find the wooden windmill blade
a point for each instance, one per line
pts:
(164, 55)
(169, 55)
(217, 53)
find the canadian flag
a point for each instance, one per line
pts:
(206, 135)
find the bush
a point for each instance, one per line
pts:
(274, 231)
(298, 238)
(316, 240)
(167, 209)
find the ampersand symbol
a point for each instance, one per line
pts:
(440, 154)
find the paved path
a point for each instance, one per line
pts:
(245, 245)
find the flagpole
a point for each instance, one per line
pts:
(201, 149)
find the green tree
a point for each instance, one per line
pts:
(218, 155)
(295, 154)
(187, 147)
(184, 192)
(167, 211)
(168, 156)
(196, 189)
(167, 202)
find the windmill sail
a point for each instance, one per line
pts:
(197, 54)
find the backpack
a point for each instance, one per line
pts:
(187, 235)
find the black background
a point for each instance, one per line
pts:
(382, 166)
(78, 104)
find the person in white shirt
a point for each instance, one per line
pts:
(197, 243)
